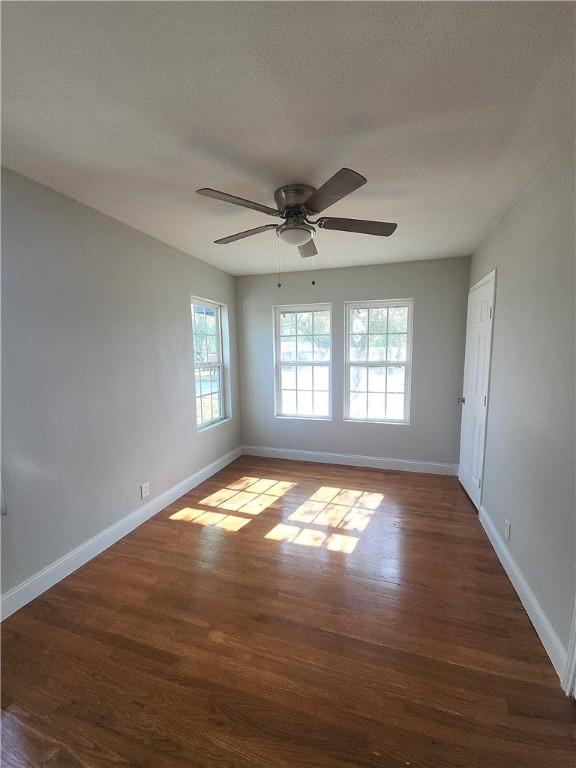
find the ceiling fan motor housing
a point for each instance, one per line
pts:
(292, 196)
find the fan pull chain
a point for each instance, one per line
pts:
(278, 251)
(313, 270)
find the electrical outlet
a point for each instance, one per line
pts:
(145, 490)
(507, 529)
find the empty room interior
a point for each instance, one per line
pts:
(288, 385)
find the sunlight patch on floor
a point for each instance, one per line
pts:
(329, 508)
(325, 520)
(343, 508)
(250, 495)
(212, 519)
(338, 542)
(310, 537)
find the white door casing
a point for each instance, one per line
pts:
(476, 386)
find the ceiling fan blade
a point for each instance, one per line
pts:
(341, 184)
(246, 233)
(226, 198)
(382, 228)
(308, 249)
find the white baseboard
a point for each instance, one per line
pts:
(377, 462)
(22, 594)
(546, 632)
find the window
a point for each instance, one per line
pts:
(303, 354)
(208, 365)
(378, 355)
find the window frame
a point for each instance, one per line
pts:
(217, 307)
(377, 304)
(276, 311)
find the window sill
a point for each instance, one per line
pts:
(379, 421)
(303, 418)
(206, 427)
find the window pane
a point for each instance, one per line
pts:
(199, 320)
(288, 348)
(378, 356)
(395, 378)
(397, 346)
(210, 321)
(207, 378)
(322, 321)
(359, 320)
(377, 350)
(200, 353)
(377, 379)
(288, 405)
(305, 403)
(358, 378)
(378, 320)
(358, 347)
(288, 377)
(304, 340)
(377, 406)
(321, 378)
(304, 325)
(397, 319)
(321, 404)
(304, 347)
(211, 346)
(206, 408)
(287, 323)
(321, 347)
(395, 407)
(202, 381)
(358, 405)
(305, 377)
(212, 377)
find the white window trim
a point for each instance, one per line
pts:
(197, 300)
(276, 310)
(348, 305)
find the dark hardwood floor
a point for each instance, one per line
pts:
(224, 640)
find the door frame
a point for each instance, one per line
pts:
(490, 277)
(569, 677)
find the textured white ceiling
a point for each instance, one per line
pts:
(447, 108)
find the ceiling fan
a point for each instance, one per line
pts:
(296, 203)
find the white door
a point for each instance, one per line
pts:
(476, 383)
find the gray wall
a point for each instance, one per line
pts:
(439, 289)
(529, 469)
(97, 372)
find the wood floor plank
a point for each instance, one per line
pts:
(189, 644)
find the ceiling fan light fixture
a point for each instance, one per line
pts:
(295, 234)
